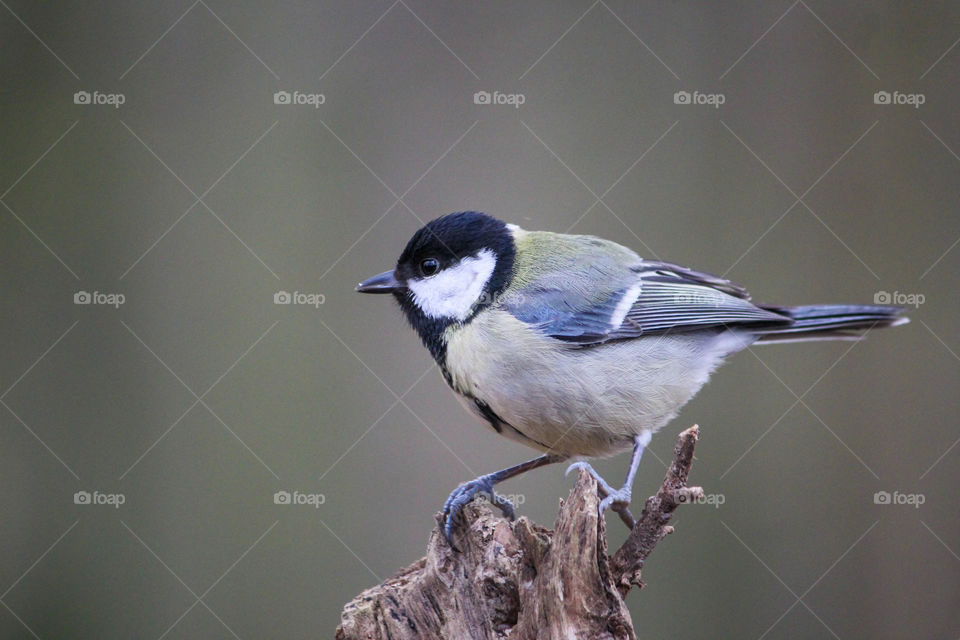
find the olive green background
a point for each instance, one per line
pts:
(199, 198)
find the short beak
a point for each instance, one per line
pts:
(381, 283)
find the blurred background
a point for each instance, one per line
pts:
(185, 456)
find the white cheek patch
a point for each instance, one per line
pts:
(452, 292)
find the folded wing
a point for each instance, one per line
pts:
(643, 298)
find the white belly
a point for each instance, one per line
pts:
(580, 401)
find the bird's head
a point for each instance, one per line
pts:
(448, 270)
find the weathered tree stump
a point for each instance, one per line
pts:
(519, 580)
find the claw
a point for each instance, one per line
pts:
(466, 492)
(577, 466)
(484, 484)
(505, 506)
(604, 487)
(616, 499)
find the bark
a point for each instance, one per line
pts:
(520, 580)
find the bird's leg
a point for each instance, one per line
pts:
(618, 499)
(484, 484)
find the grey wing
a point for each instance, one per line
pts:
(574, 315)
(677, 299)
(582, 309)
(659, 297)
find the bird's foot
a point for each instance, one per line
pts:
(618, 500)
(604, 487)
(464, 494)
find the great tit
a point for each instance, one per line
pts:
(574, 345)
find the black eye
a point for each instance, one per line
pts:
(429, 266)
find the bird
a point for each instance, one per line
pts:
(576, 346)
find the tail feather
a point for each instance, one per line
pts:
(830, 322)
